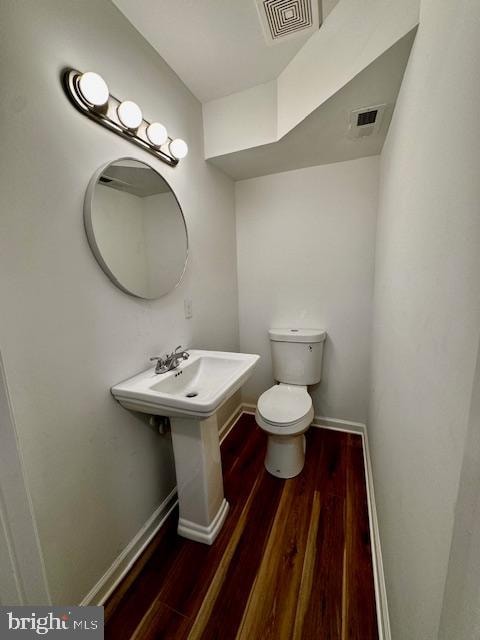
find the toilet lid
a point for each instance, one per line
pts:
(284, 403)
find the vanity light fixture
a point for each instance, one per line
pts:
(89, 93)
(178, 148)
(130, 115)
(93, 89)
(156, 134)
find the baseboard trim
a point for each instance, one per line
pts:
(321, 421)
(230, 422)
(248, 408)
(339, 425)
(383, 618)
(125, 560)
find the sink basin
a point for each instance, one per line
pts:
(196, 388)
(190, 395)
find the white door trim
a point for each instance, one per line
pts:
(21, 559)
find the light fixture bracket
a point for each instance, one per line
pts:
(107, 117)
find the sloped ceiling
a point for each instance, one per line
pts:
(322, 137)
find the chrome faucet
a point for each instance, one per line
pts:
(169, 362)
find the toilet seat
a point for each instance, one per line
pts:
(284, 404)
(285, 409)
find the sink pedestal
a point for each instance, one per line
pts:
(198, 467)
(190, 396)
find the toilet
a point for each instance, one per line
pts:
(285, 411)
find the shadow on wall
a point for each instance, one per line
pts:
(461, 603)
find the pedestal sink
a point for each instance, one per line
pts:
(190, 395)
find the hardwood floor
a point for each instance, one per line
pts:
(292, 562)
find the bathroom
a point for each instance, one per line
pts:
(295, 218)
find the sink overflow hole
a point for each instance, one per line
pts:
(192, 394)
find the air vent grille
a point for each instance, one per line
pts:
(366, 121)
(367, 117)
(283, 18)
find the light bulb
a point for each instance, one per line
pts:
(129, 114)
(157, 134)
(178, 148)
(93, 88)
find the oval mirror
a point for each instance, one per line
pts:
(136, 228)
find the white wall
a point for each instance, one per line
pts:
(426, 311)
(95, 471)
(241, 120)
(305, 259)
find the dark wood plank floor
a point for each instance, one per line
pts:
(293, 560)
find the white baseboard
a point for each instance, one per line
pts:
(321, 421)
(339, 425)
(125, 560)
(383, 618)
(230, 422)
(248, 408)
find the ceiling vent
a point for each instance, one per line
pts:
(285, 19)
(366, 121)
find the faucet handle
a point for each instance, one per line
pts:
(183, 353)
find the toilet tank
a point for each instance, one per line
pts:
(297, 355)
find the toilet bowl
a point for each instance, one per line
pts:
(285, 411)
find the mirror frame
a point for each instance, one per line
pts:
(88, 222)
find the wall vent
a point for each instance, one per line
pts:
(285, 19)
(366, 121)
(367, 117)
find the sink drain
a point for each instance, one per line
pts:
(192, 394)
